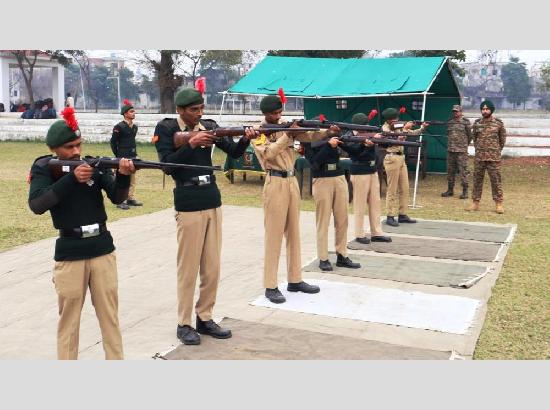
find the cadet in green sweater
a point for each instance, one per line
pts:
(197, 201)
(84, 252)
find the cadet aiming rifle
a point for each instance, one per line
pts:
(391, 140)
(182, 138)
(327, 124)
(60, 167)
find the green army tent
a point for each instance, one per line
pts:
(339, 88)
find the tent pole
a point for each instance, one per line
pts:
(219, 121)
(418, 158)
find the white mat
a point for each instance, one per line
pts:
(443, 313)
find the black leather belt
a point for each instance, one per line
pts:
(199, 180)
(86, 231)
(282, 174)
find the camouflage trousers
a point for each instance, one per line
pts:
(457, 162)
(493, 169)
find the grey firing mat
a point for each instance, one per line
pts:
(454, 230)
(436, 248)
(408, 270)
(266, 342)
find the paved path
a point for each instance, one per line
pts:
(146, 249)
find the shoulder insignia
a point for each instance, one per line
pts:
(43, 160)
(261, 140)
(154, 139)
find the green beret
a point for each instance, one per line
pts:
(390, 114)
(188, 96)
(360, 119)
(270, 103)
(489, 105)
(59, 133)
(125, 108)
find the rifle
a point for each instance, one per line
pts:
(418, 122)
(182, 137)
(328, 124)
(59, 167)
(391, 140)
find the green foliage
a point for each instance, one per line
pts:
(318, 53)
(454, 56)
(515, 81)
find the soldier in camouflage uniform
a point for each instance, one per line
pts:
(489, 137)
(459, 136)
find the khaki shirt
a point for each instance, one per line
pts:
(399, 148)
(277, 151)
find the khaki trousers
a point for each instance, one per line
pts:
(199, 250)
(281, 198)
(398, 183)
(366, 190)
(132, 189)
(331, 196)
(72, 279)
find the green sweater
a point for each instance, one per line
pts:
(73, 204)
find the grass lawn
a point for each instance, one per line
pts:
(518, 319)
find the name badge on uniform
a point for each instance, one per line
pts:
(66, 168)
(372, 163)
(90, 230)
(332, 167)
(203, 179)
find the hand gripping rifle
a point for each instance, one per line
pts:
(60, 167)
(182, 138)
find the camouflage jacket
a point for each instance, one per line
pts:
(459, 135)
(489, 138)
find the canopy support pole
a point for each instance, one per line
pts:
(414, 206)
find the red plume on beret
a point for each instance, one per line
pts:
(372, 114)
(126, 101)
(402, 110)
(282, 95)
(200, 84)
(322, 117)
(69, 117)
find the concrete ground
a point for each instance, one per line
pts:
(146, 249)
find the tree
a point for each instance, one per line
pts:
(515, 81)
(454, 56)
(128, 89)
(26, 60)
(318, 53)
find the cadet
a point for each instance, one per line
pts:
(123, 144)
(396, 171)
(281, 200)
(330, 192)
(489, 137)
(366, 186)
(459, 136)
(84, 252)
(197, 201)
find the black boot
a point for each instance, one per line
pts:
(450, 190)
(405, 219)
(345, 262)
(211, 328)
(381, 238)
(325, 265)
(390, 220)
(133, 202)
(464, 192)
(188, 335)
(274, 295)
(302, 287)
(364, 240)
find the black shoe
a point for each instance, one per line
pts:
(406, 219)
(464, 192)
(380, 238)
(303, 287)
(345, 262)
(325, 265)
(364, 240)
(275, 295)
(211, 328)
(390, 220)
(188, 335)
(133, 202)
(123, 205)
